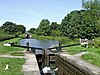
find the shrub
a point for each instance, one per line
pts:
(97, 42)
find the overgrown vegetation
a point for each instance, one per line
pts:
(15, 66)
(63, 40)
(97, 42)
(5, 36)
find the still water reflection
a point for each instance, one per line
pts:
(39, 43)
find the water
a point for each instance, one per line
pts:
(39, 43)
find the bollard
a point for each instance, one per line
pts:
(27, 44)
(59, 49)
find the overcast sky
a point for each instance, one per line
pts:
(30, 12)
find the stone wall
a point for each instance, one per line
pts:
(69, 65)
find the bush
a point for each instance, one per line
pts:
(97, 42)
(6, 37)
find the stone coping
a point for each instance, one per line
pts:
(31, 66)
(81, 64)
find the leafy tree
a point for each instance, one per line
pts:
(54, 27)
(44, 28)
(32, 30)
(20, 29)
(84, 23)
(71, 24)
(12, 28)
(9, 27)
(93, 15)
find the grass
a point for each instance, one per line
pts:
(9, 50)
(97, 42)
(74, 49)
(15, 66)
(92, 57)
(5, 36)
(63, 40)
(17, 54)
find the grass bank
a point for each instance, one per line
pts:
(9, 50)
(5, 37)
(15, 66)
(63, 40)
(92, 57)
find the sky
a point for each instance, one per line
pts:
(30, 12)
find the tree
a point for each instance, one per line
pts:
(93, 15)
(71, 24)
(20, 29)
(44, 27)
(32, 30)
(83, 23)
(54, 28)
(12, 28)
(9, 27)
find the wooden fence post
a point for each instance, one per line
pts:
(43, 58)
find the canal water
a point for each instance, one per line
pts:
(39, 43)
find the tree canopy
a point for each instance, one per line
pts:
(83, 23)
(44, 28)
(12, 28)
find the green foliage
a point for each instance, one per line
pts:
(32, 30)
(15, 66)
(77, 24)
(54, 28)
(9, 50)
(63, 40)
(12, 28)
(44, 28)
(4, 36)
(75, 49)
(20, 29)
(93, 58)
(83, 23)
(17, 54)
(97, 42)
(70, 25)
